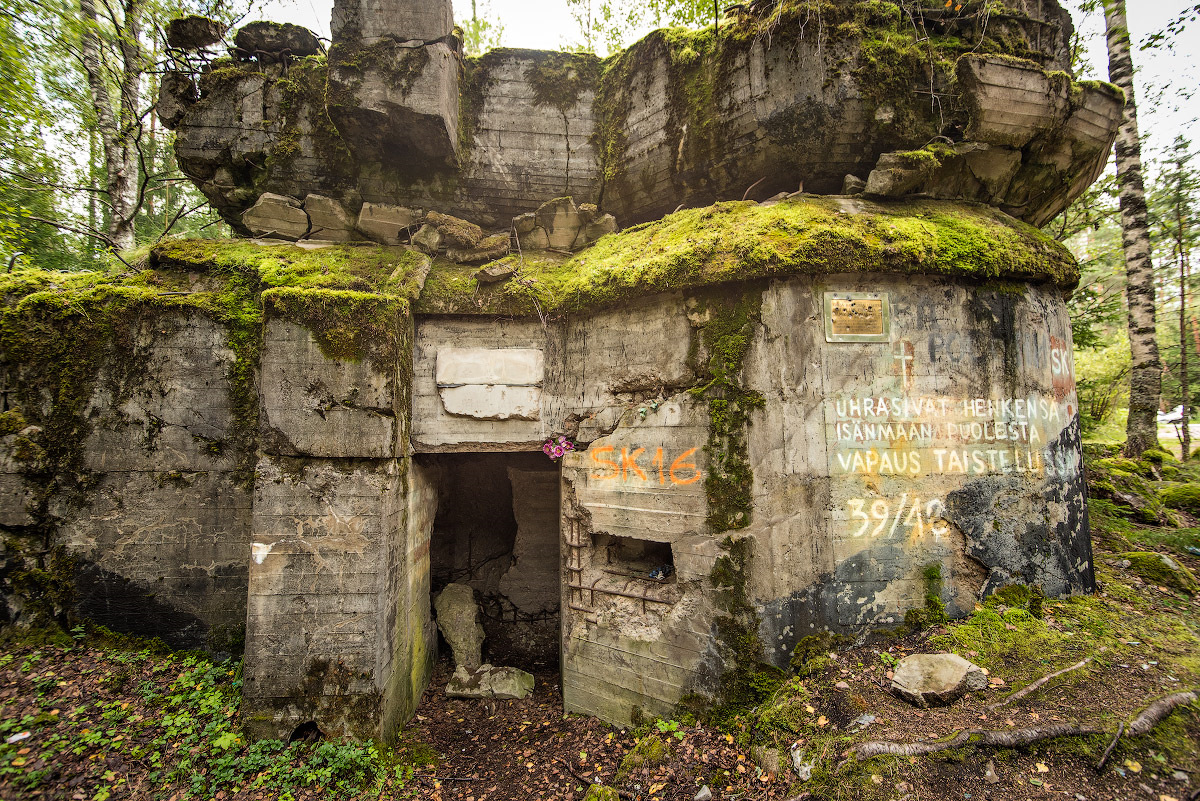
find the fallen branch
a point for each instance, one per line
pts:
(1003, 738)
(1024, 691)
(1152, 715)
(1108, 751)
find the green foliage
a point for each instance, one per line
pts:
(193, 740)
(481, 32)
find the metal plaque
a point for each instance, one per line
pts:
(857, 317)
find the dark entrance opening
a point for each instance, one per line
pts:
(496, 530)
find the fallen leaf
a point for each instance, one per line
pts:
(809, 708)
(1133, 765)
(821, 721)
(654, 788)
(1041, 768)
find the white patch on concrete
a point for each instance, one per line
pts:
(260, 550)
(513, 367)
(493, 401)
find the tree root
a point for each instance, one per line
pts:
(1003, 738)
(1024, 691)
(1152, 715)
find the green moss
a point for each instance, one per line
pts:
(559, 79)
(726, 337)
(348, 326)
(1161, 570)
(11, 422)
(1018, 596)
(1184, 496)
(649, 751)
(742, 241)
(598, 792)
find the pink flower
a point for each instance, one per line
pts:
(558, 452)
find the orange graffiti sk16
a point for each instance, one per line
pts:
(681, 472)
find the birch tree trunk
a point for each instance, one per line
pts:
(1146, 375)
(118, 121)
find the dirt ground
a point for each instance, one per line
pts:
(93, 722)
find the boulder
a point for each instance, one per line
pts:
(194, 33)
(936, 679)
(428, 239)
(457, 233)
(489, 248)
(385, 224)
(458, 620)
(489, 682)
(277, 216)
(275, 41)
(328, 220)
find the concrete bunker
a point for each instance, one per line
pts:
(496, 530)
(798, 404)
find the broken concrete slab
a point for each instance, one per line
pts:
(428, 239)
(490, 682)
(458, 620)
(194, 32)
(456, 232)
(272, 41)
(936, 679)
(489, 248)
(495, 273)
(387, 224)
(328, 220)
(276, 216)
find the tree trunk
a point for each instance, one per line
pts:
(1186, 441)
(119, 123)
(1146, 375)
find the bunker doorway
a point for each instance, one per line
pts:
(496, 530)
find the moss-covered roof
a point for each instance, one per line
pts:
(721, 244)
(742, 241)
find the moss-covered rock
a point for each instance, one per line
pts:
(1183, 496)
(648, 752)
(598, 792)
(1160, 569)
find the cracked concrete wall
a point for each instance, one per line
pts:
(955, 443)
(160, 539)
(338, 626)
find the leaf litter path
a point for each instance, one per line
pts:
(526, 749)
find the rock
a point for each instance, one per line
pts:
(277, 216)
(598, 792)
(275, 41)
(495, 273)
(899, 173)
(1160, 569)
(387, 224)
(936, 679)
(525, 224)
(853, 185)
(704, 794)
(989, 775)
(489, 682)
(605, 224)
(458, 620)
(561, 221)
(765, 757)
(490, 248)
(194, 33)
(327, 219)
(841, 685)
(458, 233)
(428, 239)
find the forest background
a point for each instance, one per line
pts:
(87, 174)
